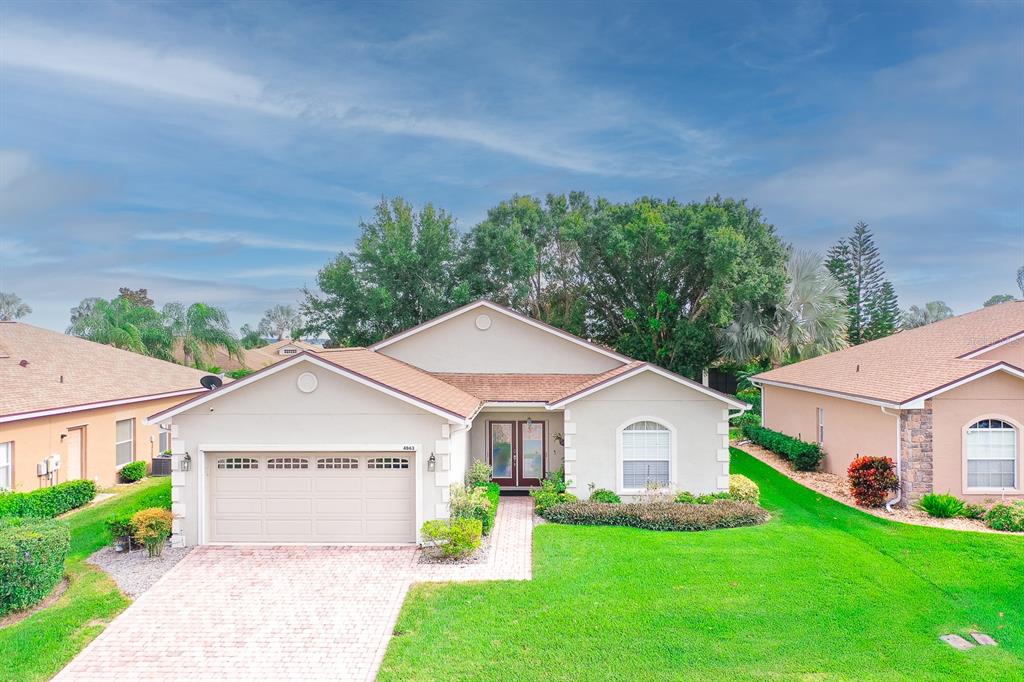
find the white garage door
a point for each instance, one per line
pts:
(311, 497)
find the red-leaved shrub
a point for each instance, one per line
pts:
(872, 479)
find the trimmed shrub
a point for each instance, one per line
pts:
(32, 554)
(1006, 516)
(132, 472)
(872, 479)
(479, 473)
(661, 516)
(686, 497)
(743, 489)
(605, 495)
(804, 456)
(48, 502)
(747, 419)
(941, 506)
(480, 502)
(551, 492)
(152, 528)
(456, 538)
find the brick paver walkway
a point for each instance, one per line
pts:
(283, 613)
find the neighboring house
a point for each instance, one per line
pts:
(945, 400)
(252, 358)
(362, 444)
(82, 402)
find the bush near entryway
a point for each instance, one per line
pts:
(479, 502)
(1006, 516)
(872, 479)
(804, 456)
(132, 472)
(456, 538)
(658, 516)
(48, 502)
(32, 553)
(152, 527)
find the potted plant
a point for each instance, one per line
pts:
(152, 528)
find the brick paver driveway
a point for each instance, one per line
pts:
(283, 613)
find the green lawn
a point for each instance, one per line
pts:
(822, 592)
(39, 646)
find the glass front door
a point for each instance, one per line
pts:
(517, 450)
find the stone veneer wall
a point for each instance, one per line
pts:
(916, 453)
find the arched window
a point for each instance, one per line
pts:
(645, 455)
(387, 463)
(237, 463)
(991, 451)
(337, 463)
(288, 463)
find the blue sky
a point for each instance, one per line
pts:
(225, 152)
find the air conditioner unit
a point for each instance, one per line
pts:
(54, 462)
(41, 469)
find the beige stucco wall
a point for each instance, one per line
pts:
(555, 425)
(852, 429)
(272, 411)
(508, 346)
(36, 439)
(701, 461)
(1012, 353)
(997, 395)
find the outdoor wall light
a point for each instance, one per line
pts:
(186, 463)
(431, 462)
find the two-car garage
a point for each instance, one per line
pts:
(310, 497)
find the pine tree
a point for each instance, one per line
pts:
(871, 300)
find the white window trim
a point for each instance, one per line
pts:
(117, 467)
(1017, 459)
(620, 486)
(9, 484)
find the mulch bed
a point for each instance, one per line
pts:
(432, 555)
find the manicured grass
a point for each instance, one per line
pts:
(39, 646)
(821, 592)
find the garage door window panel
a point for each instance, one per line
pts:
(387, 463)
(337, 463)
(288, 463)
(238, 463)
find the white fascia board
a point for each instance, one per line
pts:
(305, 356)
(992, 346)
(918, 402)
(659, 371)
(97, 405)
(509, 313)
(831, 394)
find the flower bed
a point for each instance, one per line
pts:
(658, 516)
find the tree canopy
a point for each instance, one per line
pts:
(12, 307)
(873, 310)
(280, 321)
(932, 311)
(998, 298)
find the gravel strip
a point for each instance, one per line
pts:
(135, 572)
(837, 487)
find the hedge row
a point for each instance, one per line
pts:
(48, 502)
(658, 516)
(133, 471)
(804, 456)
(32, 554)
(493, 491)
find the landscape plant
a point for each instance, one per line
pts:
(479, 473)
(32, 554)
(872, 480)
(132, 472)
(48, 502)
(803, 455)
(659, 516)
(1007, 516)
(478, 502)
(604, 495)
(743, 489)
(152, 528)
(686, 497)
(941, 506)
(455, 538)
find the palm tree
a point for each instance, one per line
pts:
(122, 324)
(200, 328)
(810, 321)
(12, 307)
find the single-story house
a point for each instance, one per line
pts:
(252, 358)
(946, 401)
(72, 409)
(361, 445)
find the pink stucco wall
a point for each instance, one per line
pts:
(851, 428)
(1012, 353)
(997, 395)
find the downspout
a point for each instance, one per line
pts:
(899, 462)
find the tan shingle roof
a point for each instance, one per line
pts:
(514, 387)
(403, 377)
(904, 366)
(91, 371)
(597, 379)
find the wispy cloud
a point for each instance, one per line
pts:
(240, 239)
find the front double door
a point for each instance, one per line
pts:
(517, 450)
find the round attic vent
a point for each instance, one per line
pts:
(307, 382)
(483, 322)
